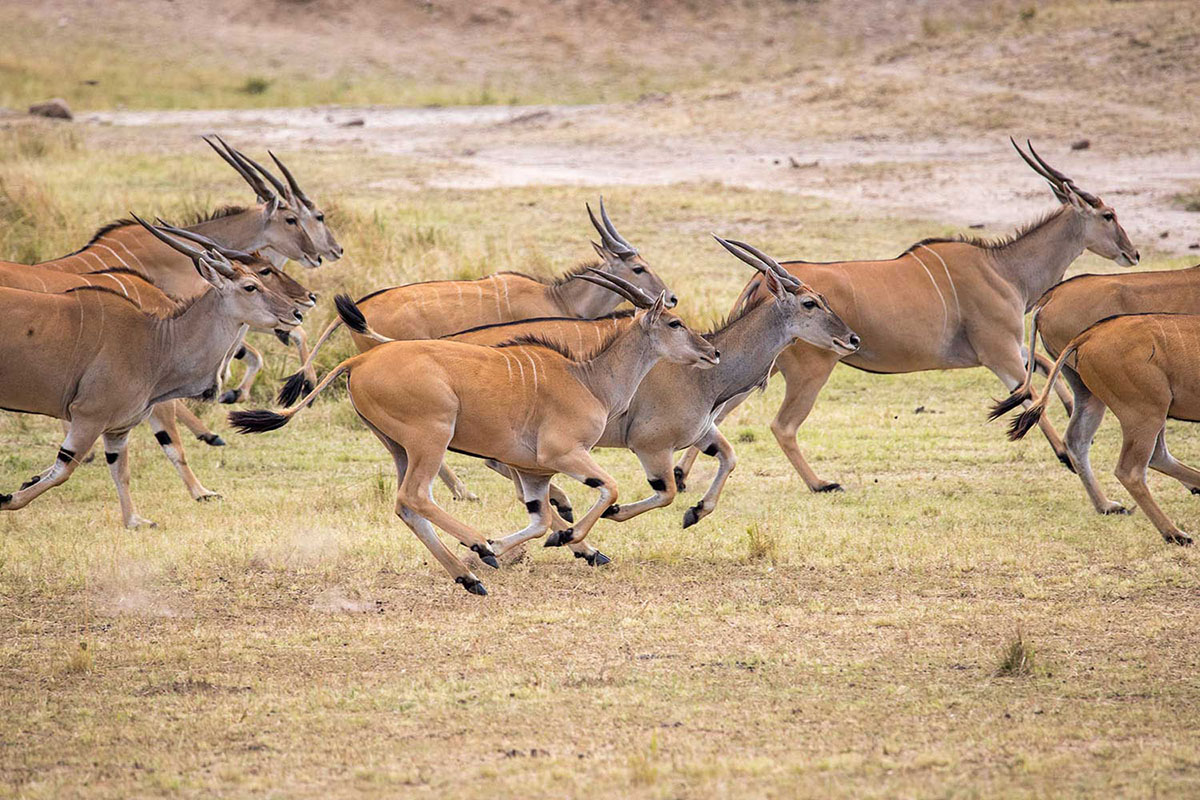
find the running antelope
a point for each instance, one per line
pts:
(941, 304)
(675, 406)
(437, 308)
(1074, 305)
(1143, 367)
(525, 404)
(93, 357)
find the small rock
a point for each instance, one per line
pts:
(55, 109)
(976, 226)
(1164, 234)
(801, 165)
(90, 82)
(357, 122)
(1081, 144)
(1194, 246)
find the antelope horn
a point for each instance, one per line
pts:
(201, 239)
(260, 189)
(613, 228)
(607, 238)
(212, 258)
(287, 174)
(759, 260)
(248, 163)
(1089, 197)
(618, 285)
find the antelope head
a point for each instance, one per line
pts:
(246, 300)
(1102, 234)
(293, 226)
(808, 316)
(669, 337)
(622, 259)
(272, 277)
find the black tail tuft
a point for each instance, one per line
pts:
(1024, 422)
(1002, 407)
(258, 421)
(348, 311)
(295, 387)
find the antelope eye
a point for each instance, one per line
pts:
(320, 217)
(809, 303)
(639, 270)
(675, 324)
(291, 220)
(1108, 215)
(264, 272)
(250, 287)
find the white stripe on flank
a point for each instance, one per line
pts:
(458, 288)
(113, 278)
(496, 297)
(114, 252)
(945, 308)
(507, 303)
(519, 367)
(507, 363)
(533, 365)
(479, 293)
(131, 254)
(957, 307)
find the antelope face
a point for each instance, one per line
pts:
(278, 281)
(287, 232)
(810, 319)
(1104, 236)
(674, 341)
(251, 303)
(634, 269)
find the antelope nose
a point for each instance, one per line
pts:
(854, 340)
(313, 297)
(338, 251)
(716, 354)
(297, 315)
(672, 300)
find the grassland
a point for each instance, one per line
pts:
(295, 640)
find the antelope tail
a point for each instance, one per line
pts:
(260, 420)
(1030, 416)
(297, 384)
(1023, 392)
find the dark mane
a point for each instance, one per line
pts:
(537, 340)
(105, 229)
(996, 243)
(620, 314)
(557, 280)
(545, 281)
(219, 213)
(180, 307)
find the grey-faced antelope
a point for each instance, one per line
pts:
(1144, 368)
(525, 404)
(941, 304)
(436, 308)
(1074, 305)
(93, 357)
(675, 406)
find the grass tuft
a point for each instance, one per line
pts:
(255, 85)
(80, 660)
(762, 543)
(1017, 660)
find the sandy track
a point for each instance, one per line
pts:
(976, 182)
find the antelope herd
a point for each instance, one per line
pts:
(531, 374)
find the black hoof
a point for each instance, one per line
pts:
(559, 538)
(1119, 511)
(1066, 461)
(566, 512)
(5, 498)
(211, 439)
(31, 481)
(595, 558)
(231, 396)
(691, 516)
(829, 487)
(612, 510)
(207, 498)
(472, 585)
(1194, 490)
(680, 484)
(486, 555)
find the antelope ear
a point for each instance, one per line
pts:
(774, 285)
(655, 311)
(272, 205)
(1076, 201)
(206, 271)
(606, 255)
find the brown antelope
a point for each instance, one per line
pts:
(285, 225)
(525, 404)
(941, 304)
(93, 357)
(437, 308)
(1143, 367)
(1074, 305)
(675, 406)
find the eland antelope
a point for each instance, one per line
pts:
(1144, 368)
(526, 403)
(941, 304)
(675, 405)
(95, 358)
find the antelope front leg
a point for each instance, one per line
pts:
(116, 453)
(1162, 461)
(715, 444)
(458, 489)
(534, 491)
(1137, 448)
(1087, 412)
(580, 466)
(78, 441)
(196, 425)
(804, 378)
(166, 433)
(253, 360)
(657, 466)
